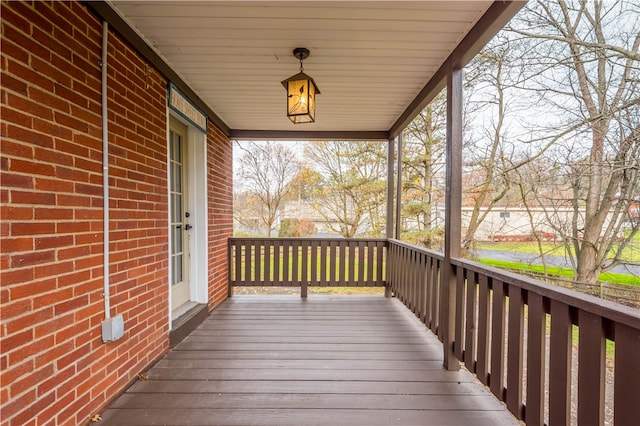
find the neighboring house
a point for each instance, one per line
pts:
(634, 213)
(501, 224)
(164, 163)
(312, 211)
(512, 223)
(305, 210)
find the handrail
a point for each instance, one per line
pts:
(611, 310)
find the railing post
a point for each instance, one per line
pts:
(399, 189)
(230, 248)
(453, 202)
(390, 200)
(387, 291)
(390, 187)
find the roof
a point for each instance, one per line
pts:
(378, 62)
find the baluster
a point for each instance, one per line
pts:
(323, 263)
(341, 263)
(560, 365)
(496, 380)
(470, 327)
(361, 250)
(369, 270)
(626, 409)
(591, 359)
(315, 248)
(422, 291)
(536, 320)
(379, 263)
(460, 312)
(514, 351)
(482, 367)
(277, 254)
(286, 246)
(258, 262)
(295, 278)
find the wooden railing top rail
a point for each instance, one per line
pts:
(613, 311)
(431, 253)
(318, 239)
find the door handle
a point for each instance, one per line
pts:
(188, 227)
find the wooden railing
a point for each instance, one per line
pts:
(518, 335)
(524, 339)
(302, 262)
(414, 278)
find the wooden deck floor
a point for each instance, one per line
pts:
(330, 360)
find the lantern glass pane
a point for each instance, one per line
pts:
(305, 118)
(312, 100)
(298, 97)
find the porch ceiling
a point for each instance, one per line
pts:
(377, 63)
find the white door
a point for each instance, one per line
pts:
(179, 216)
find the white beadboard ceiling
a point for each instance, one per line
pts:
(370, 59)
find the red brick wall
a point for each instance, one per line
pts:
(220, 189)
(55, 367)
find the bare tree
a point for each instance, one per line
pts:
(423, 146)
(265, 172)
(584, 66)
(351, 194)
(489, 152)
(246, 213)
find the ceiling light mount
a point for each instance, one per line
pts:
(301, 53)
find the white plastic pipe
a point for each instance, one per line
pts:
(105, 172)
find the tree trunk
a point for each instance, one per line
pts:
(587, 271)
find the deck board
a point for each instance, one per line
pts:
(329, 360)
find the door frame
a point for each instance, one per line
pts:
(178, 154)
(197, 202)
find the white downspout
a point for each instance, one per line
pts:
(112, 328)
(105, 172)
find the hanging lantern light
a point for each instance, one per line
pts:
(301, 92)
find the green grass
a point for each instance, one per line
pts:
(609, 277)
(523, 247)
(347, 290)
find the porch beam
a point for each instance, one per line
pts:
(494, 19)
(308, 135)
(452, 213)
